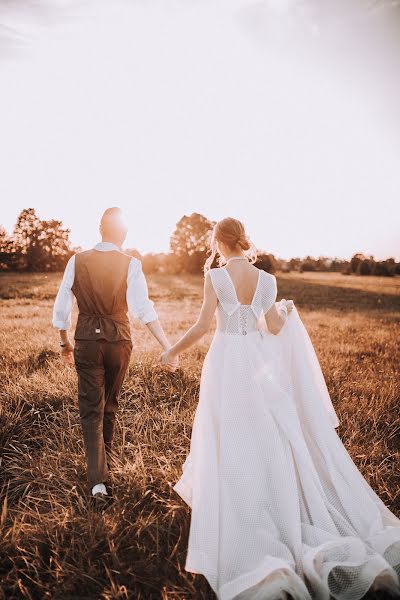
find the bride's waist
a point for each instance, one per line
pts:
(238, 334)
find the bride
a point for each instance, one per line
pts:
(279, 510)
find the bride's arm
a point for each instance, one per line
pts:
(277, 315)
(200, 327)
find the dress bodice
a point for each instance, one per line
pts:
(240, 319)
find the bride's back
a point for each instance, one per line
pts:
(244, 293)
(244, 277)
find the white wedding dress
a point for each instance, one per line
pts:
(279, 509)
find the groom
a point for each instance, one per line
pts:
(108, 286)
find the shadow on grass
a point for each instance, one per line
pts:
(322, 296)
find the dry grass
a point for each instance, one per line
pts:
(52, 545)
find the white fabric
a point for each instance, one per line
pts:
(64, 302)
(137, 296)
(278, 506)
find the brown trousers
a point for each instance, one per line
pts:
(101, 368)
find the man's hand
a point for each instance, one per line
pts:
(67, 352)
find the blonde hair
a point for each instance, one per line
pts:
(232, 233)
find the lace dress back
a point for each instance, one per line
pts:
(234, 318)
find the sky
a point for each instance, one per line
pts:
(275, 112)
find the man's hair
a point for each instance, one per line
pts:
(112, 223)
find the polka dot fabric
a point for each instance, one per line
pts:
(279, 509)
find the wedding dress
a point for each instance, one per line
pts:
(279, 509)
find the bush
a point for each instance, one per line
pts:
(266, 262)
(307, 266)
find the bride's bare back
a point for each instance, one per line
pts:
(244, 278)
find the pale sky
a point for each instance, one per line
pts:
(284, 118)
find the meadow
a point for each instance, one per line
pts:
(52, 544)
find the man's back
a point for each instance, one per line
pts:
(100, 286)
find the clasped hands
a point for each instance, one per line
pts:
(166, 360)
(169, 361)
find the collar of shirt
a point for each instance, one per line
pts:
(106, 247)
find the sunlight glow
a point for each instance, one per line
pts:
(171, 108)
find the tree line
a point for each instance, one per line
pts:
(37, 245)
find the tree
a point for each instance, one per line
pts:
(26, 238)
(54, 246)
(363, 267)
(40, 245)
(322, 263)
(195, 262)
(295, 264)
(308, 264)
(7, 256)
(3, 238)
(338, 265)
(191, 236)
(355, 261)
(385, 268)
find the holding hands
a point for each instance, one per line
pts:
(169, 360)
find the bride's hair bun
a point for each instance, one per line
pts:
(232, 233)
(244, 243)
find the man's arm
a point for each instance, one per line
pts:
(63, 308)
(139, 304)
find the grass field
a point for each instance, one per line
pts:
(51, 544)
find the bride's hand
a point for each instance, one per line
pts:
(168, 361)
(289, 305)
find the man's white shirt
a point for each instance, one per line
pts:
(137, 296)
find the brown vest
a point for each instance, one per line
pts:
(100, 289)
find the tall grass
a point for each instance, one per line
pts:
(52, 543)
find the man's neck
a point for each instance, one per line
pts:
(109, 241)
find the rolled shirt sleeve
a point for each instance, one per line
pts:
(65, 298)
(137, 296)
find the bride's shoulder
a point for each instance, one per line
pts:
(269, 282)
(270, 276)
(267, 276)
(216, 276)
(214, 272)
